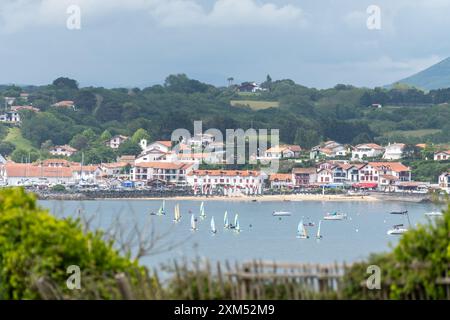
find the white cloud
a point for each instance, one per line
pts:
(20, 14)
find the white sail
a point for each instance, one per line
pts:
(237, 227)
(318, 230)
(177, 216)
(161, 209)
(301, 231)
(236, 217)
(193, 223)
(202, 210)
(226, 223)
(213, 225)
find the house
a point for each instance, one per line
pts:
(383, 175)
(127, 158)
(28, 174)
(281, 180)
(444, 182)
(116, 170)
(230, 182)
(10, 117)
(325, 176)
(29, 108)
(64, 104)
(252, 87)
(394, 151)
(116, 141)
(156, 151)
(163, 146)
(165, 172)
(283, 152)
(376, 106)
(442, 155)
(367, 150)
(85, 173)
(64, 150)
(200, 140)
(24, 96)
(328, 149)
(302, 177)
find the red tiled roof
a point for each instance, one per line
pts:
(164, 165)
(31, 170)
(166, 143)
(394, 166)
(304, 170)
(280, 177)
(370, 145)
(228, 173)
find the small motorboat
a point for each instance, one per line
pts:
(399, 212)
(434, 214)
(281, 213)
(335, 216)
(398, 229)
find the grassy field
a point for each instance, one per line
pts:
(413, 133)
(255, 104)
(15, 137)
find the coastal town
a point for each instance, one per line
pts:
(326, 168)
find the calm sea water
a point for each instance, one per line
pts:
(263, 236)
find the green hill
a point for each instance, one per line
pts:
(434, 77)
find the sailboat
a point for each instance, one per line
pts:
(301, 231)
(202, 210)
(236, 220)
(319, 236)
(213, 226)
(226, 223)
(162, 210)
(237, 226)
(193, 223)
(177, 215)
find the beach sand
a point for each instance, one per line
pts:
(267, 198)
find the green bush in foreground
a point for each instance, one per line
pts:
(34, 244)
(413, 268)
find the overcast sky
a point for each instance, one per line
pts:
(317, 43)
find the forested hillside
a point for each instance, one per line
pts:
(304, 115)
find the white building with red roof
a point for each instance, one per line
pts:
(442, 155)
(230, 182)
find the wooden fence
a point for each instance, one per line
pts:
(256, 280)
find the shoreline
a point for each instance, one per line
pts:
(374, 197)
(262, 198)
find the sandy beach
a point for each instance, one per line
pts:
(268, 198)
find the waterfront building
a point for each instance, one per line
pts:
(228, 182)
(281, 180)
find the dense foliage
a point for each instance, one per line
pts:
(35, 244)
(305, 115)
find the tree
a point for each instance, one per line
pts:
(36, 244)
(139, 135)
(129, 148)
(105, 136)
(85, 100)
(24, 156)
(66, 83)
(6, 148)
